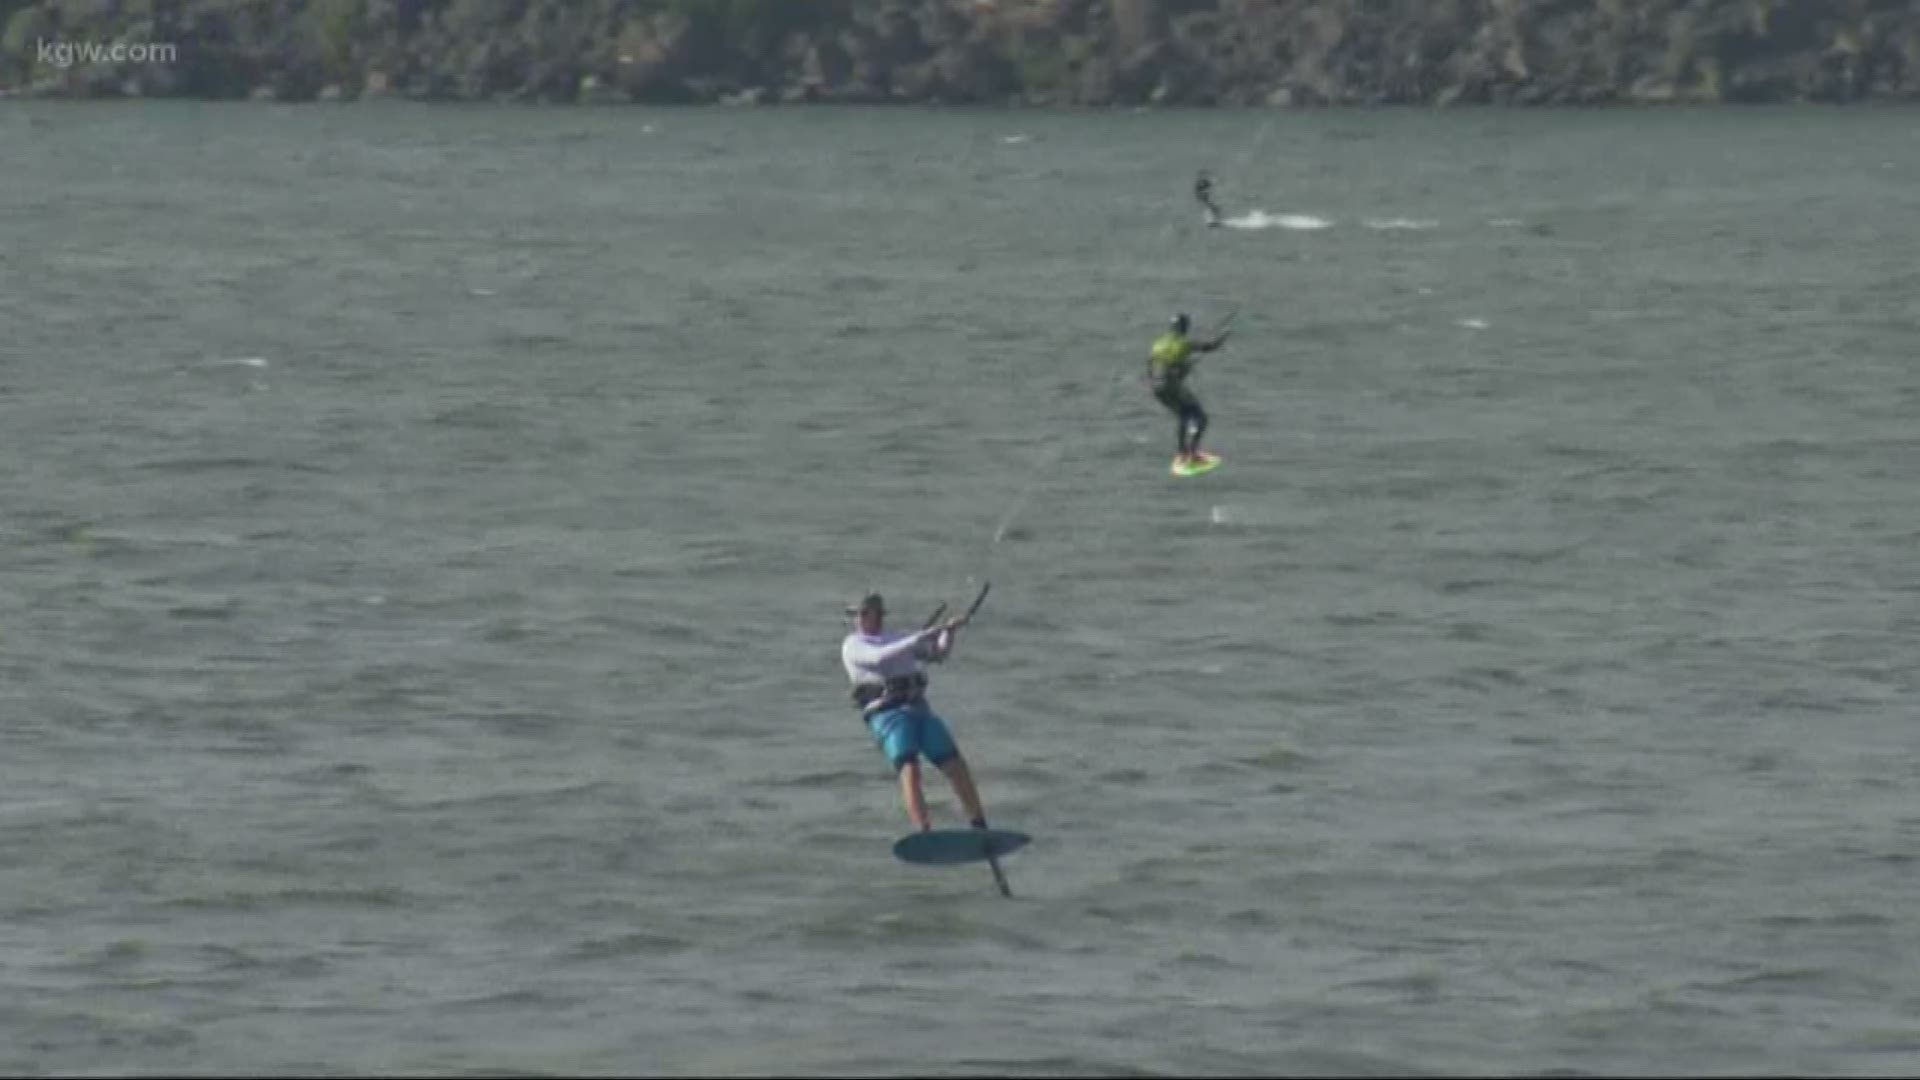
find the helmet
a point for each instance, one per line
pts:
(1180, 323)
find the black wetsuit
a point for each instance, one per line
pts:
(1167, 368)
(1203, 190)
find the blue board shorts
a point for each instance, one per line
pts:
(910, 731)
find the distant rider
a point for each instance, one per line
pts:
(1203, 190)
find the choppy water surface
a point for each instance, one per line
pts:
(428, 528)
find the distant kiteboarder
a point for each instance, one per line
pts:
(1203, 191)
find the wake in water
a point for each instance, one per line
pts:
(1203, 193)
(1260, 219)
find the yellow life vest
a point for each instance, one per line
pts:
(1169, 357)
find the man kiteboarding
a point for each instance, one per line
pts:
(890, 690)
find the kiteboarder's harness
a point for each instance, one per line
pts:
(900, 690)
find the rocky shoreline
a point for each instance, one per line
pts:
(1039, 53)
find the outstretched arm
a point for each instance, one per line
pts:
(866, 654)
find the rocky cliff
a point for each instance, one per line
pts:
(1023, 52)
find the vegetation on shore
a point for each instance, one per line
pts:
(998, 52)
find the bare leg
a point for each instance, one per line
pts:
(915, 798)
(962, 780)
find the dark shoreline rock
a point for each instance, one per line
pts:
(1019, 53)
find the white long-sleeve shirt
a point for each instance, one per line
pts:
(875, 658)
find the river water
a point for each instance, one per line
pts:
(428, 529)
